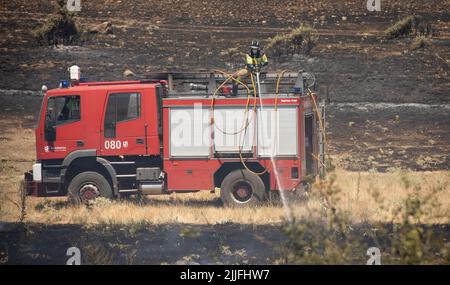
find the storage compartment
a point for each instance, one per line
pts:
(230, 133)
(278, 131)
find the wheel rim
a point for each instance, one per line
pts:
(88, 192)
(242, 191)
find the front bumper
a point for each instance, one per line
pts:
(31, 187)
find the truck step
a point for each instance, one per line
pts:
(127, 190)
(125, 175)
(122, 162)
(51, 179)
(51, 166)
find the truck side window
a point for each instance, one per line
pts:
(63, 109)
(121, 107)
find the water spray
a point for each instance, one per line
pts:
(286, 208)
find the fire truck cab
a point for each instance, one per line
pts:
(176, 133)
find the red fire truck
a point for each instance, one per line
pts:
(177, 132)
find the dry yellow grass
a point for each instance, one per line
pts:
(202, 207)
(16, 142)
(358, 191)
(356, 198)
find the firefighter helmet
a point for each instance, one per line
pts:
(255, 44)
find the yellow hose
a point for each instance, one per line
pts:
(318, 159)
(276, 89)
(322, 127)
(246, 106)
(240, 147)
(245, 123)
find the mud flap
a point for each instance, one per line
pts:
(30, 187)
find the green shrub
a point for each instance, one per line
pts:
(300, 40)
(410, 241)
(403, 27)
(324, 240)
(59, 28)
(330, 237)
(419, 42)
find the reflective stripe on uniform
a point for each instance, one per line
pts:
(248, 59)
(264, 58)
(255, 60)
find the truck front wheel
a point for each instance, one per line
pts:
(242, 188)
(87, 186)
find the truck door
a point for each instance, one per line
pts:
(62, 131)
(123, 125)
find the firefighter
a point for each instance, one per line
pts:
(254, 60)
(70, 110)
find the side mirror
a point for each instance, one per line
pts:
(43, 90)
(50, 131)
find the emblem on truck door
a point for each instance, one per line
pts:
(48, 148)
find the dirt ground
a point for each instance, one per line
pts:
(353, 61)
(388, 109)
(144, 244)
(228, 243)
(384, 136)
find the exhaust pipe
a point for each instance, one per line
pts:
(151, 188)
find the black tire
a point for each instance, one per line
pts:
(87, 186)
(235, 188)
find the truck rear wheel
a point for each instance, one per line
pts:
(88, 186)
(242, 188)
